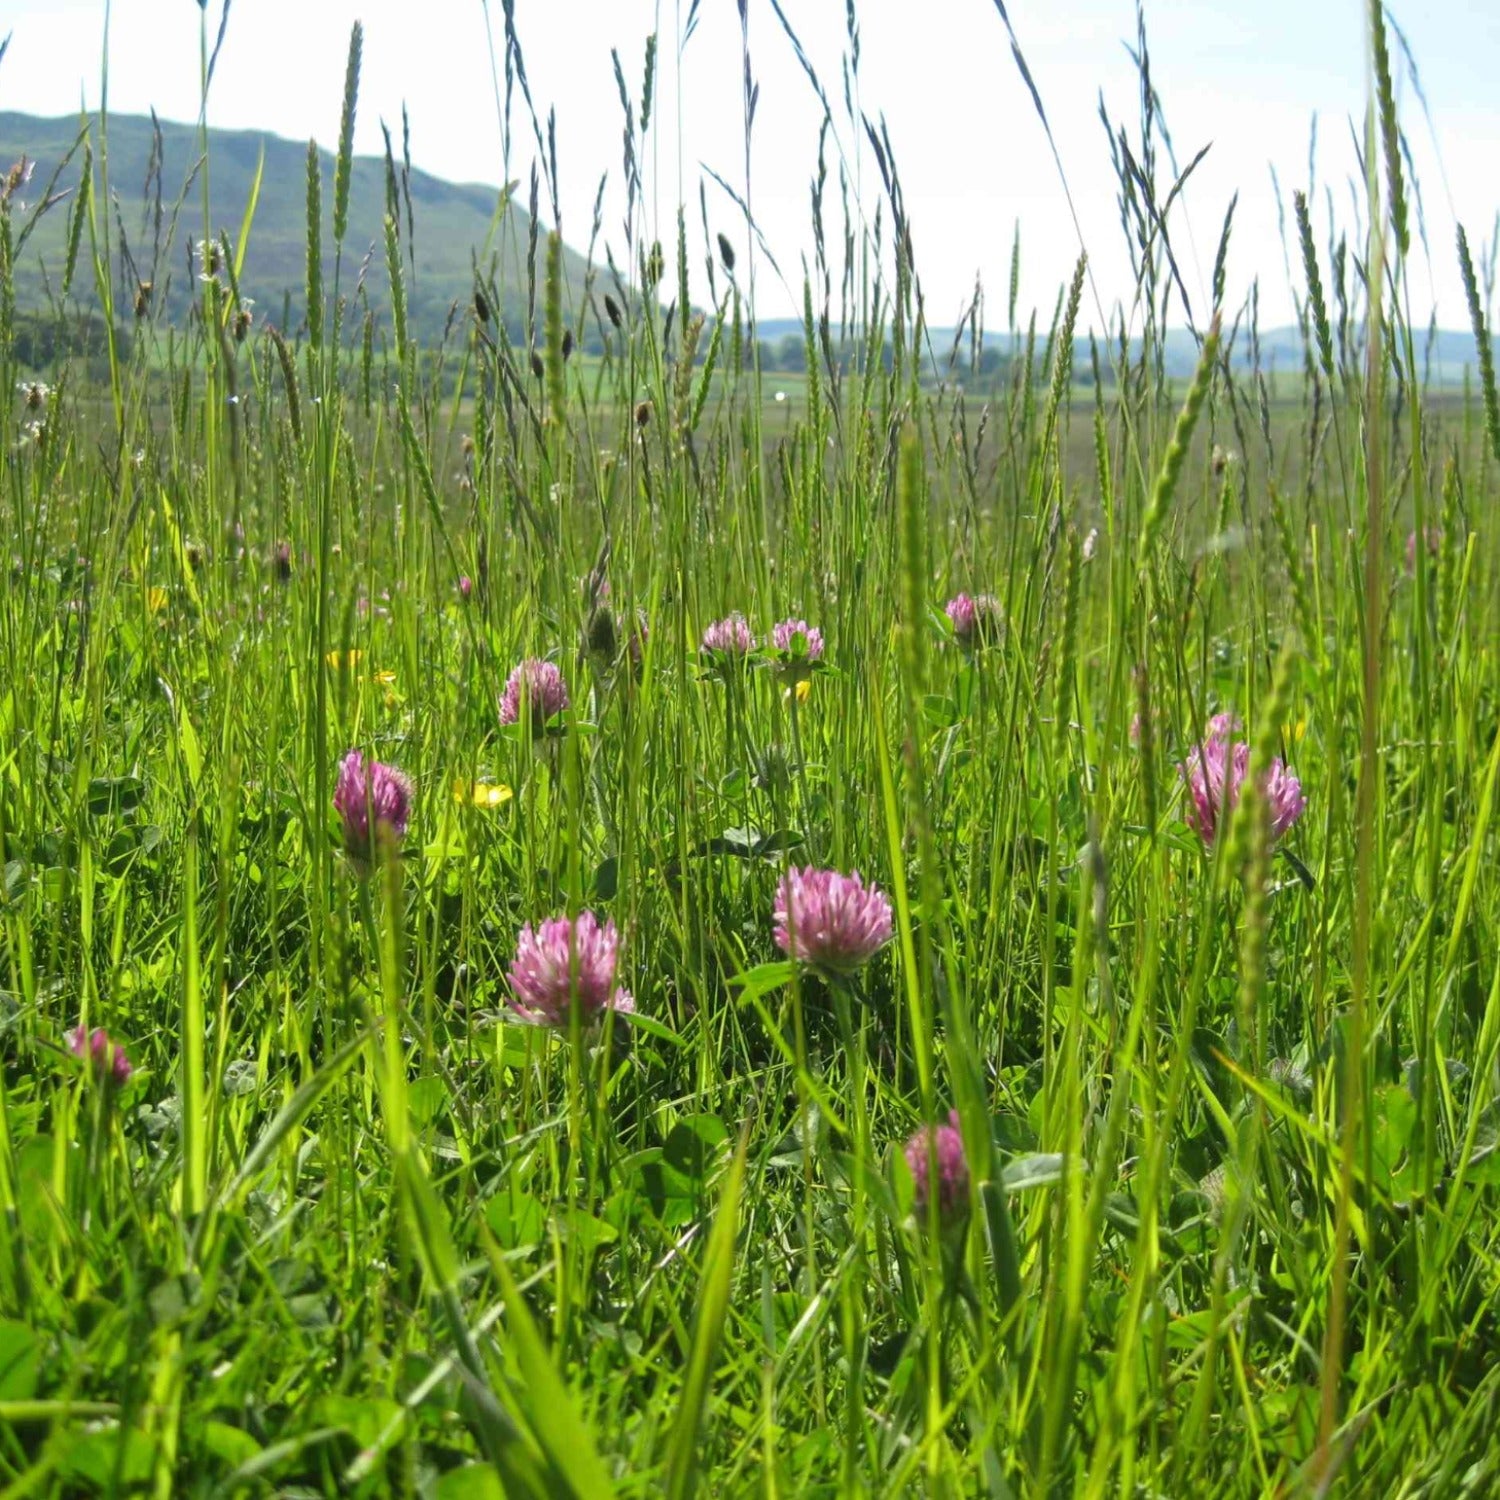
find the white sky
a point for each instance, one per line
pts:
(1246, 75)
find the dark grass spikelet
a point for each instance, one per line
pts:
(1291, 560)
(1485, 350)
(601, 640)
(1448, 549)
(314, 247)
(398, 286)
(1315, 297)
(552, 331)
(1182, 435)
(1146, 744)
(1390, 130)
(344, 162)
(1062, 702)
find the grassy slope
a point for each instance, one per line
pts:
(452, 221)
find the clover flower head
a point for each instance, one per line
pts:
(834, 922)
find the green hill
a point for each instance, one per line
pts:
(149, 166)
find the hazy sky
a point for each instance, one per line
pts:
(1247, 76)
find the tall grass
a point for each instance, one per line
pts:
(1229, 1112)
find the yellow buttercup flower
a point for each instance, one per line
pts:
(803, 691)
(482, 794)
(386, 680)
(156, 600)
(344, 661)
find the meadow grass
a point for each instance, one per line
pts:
(1225, 1223)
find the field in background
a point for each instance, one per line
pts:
(1225, 1097)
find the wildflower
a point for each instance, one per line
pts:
(1284, 794)
(1214, 773)
(36, 394)
(465, 587)
(1223, 726)
(728, 638)
(156, 600)
(942, 1145)
(281, 561)
(799, 646)
(482, 794)
(345, 661)
(1090, 543)
(387, 681)
(563, 962)
(545, 690)
(834, 922)
(801, 690)
(377, 794)
(798, 638)
(110, 1064)
(976, 619)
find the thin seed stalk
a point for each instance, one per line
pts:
(1176, 455)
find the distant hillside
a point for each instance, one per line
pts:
(1444, 355)
(452, 222)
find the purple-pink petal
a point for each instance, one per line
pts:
(1214, 772)
(543, 686)
(785, 634)
(106, 1057)
(833, 921)
(942, 1146)
(730, 636)
(374, 803)
(564, 961)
